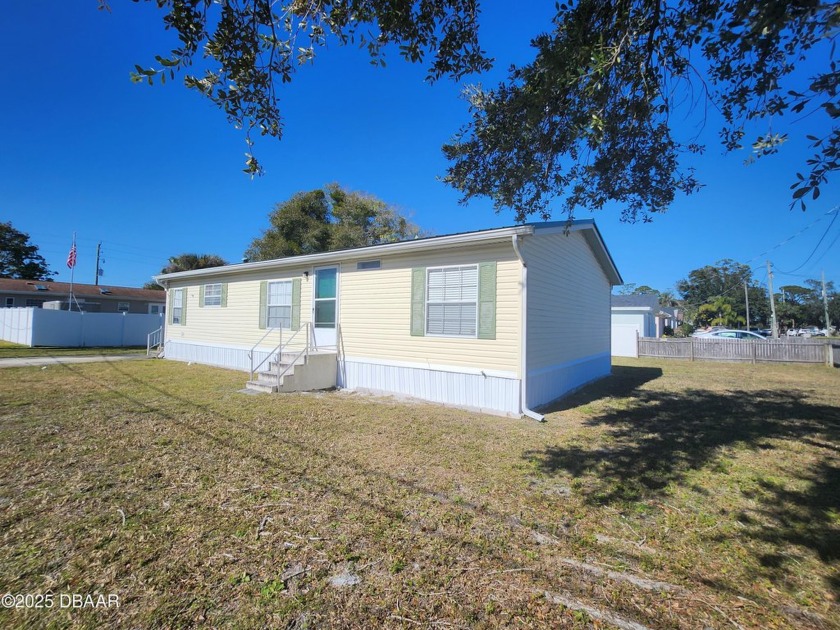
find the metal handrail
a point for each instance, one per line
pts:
(278, 350)
(254, 347)
(150, 343)
(297, 356)
(268, 356)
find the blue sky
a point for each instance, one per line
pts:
(153, 172)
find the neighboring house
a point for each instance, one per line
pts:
(638, 315)
(500, 320)
(90, 298)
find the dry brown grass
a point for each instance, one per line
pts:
(670, 495)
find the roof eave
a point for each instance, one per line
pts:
(388, 249)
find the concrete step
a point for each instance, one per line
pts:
(273, 365)
(315, 373)
(260, 386)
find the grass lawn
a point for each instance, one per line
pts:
(10, 350)
(671, 495)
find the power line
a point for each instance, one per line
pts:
(816, 247)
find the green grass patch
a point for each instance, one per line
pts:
(10, 350)
(670, 494)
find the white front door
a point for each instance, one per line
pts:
(325, 306)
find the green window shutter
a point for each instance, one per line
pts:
(295, 303)
(201, 296)
(171, 301)
(183, 307)
(224, 294)
(418, 302)
(263, 303)
(487, 300)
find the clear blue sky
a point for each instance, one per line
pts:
(153, 172)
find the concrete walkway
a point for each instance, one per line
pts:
(44, 361)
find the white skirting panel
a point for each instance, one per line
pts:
(226, 357)
(548, 384)
(489, 394)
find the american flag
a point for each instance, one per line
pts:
(71, 257)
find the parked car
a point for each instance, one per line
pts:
(732, 334)
(811, 331)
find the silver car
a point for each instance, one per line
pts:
(731, 334)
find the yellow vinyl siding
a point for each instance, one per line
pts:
(375, 312)
(236, 324)
(568, 300)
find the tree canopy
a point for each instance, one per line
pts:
(803, 305)
(590, 120)
(716, 292)
(587, 122)
(329, 219)
(19, 258)
(188, 262)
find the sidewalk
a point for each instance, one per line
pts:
(44, 361)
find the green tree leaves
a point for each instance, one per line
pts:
(589, 121)
(19, 258)
(189, 262)
(329, 219)
(235, 53)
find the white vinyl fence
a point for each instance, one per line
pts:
(65, 329)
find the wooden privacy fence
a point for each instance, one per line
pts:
(769, 350)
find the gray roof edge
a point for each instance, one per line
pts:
(401, 247)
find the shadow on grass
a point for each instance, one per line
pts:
(808, 518)
(660, 436)
(623, 382)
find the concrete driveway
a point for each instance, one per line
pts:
(44, 361)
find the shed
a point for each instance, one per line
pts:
(502, 320)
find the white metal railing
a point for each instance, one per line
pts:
(304, 351)
(154, 340)
(278, 352)
(254, 347)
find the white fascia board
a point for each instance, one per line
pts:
(389, 249)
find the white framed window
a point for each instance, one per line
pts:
(452, 301)
(213, 294)
(10, 301)
(123, 307)
(365, 265)
(177, 306)
(279, 304)
(156, 309)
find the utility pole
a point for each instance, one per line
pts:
(774, 323)
(825, 306)
(98, 248)
(747, 299)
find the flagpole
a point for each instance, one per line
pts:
(72, 271)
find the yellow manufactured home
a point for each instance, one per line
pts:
(501, 320)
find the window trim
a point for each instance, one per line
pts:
(178, 311)
(476, 302)
(120, 306)
(268, 303)
(204, 302)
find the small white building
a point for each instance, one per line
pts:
(502, 320)
(635, 316)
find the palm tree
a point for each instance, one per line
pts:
(189, 262)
